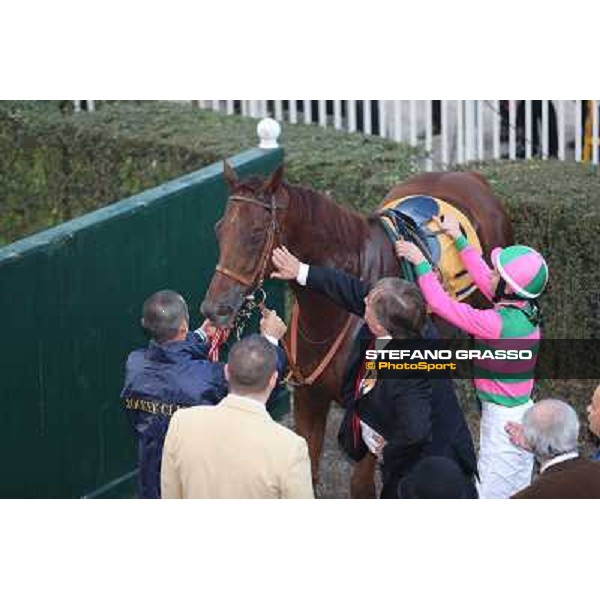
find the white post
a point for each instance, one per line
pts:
(307, 108)
(460, 133)
(444, 132)
(230, 107)
(367, 116)
(268, 131)
(561, 129)
(91, 105)
(512, 129)
(545, 129)
(578, 130)
(469, 130)
(413, 122)
(323, 113)
(351, 115)
(77, 105)
(428, 134)
(595, 132)
(496, 118)
(382, 118)
(293, 111)
(479, 129)
(528, 129)
(279, 110)
(245, 107)
(397, 110)
(203, 103)
(337, 114)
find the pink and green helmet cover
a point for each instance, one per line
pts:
(524, 269)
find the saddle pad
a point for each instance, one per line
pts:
(455, 278)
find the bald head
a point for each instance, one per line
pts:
(551, 428)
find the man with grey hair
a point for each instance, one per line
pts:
(550, 430)
(235, 449)
(172, 372)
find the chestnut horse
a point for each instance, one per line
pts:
(261, 215)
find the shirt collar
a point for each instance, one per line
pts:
(558, 459)
(251, 401)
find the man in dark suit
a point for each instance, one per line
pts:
(551, 431)
(402, 420)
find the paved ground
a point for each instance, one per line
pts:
(335, 469)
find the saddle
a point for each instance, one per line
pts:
(411, 218)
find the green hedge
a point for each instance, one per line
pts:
(53, 167)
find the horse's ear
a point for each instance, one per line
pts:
(229, 174)
(273, 183)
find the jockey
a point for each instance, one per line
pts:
(513, 285)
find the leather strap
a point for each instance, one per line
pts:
(292, 351)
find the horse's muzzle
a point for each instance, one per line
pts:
(220, 315)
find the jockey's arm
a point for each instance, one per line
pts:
(485, 323)
(476, 266)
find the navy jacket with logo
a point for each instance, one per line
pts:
(158, 380)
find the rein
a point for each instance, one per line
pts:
(292, 351)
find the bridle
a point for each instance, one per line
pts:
(256, 279)
(255, 283)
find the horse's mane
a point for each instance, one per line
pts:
(338, 225)
(341, 226)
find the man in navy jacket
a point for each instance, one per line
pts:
(173, 372)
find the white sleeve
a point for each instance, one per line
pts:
(271, 339)
(302, 274)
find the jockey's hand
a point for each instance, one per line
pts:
(449, 224)
(286, 263)
(271, 324)
(409, 251)
(515, 433)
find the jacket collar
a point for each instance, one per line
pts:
(558, 459)
(245, 404)
(173, 352)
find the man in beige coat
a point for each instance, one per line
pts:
(235, 449)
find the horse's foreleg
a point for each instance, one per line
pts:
(310, 417)
(362, 484)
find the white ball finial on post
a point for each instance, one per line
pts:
(268, 131)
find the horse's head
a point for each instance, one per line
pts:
(247, 233)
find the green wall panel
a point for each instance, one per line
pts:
(70, 300)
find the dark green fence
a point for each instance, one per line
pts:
(70, 300)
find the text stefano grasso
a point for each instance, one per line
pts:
(495, 354)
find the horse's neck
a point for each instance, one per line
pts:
(345, 240)
(326, 234)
